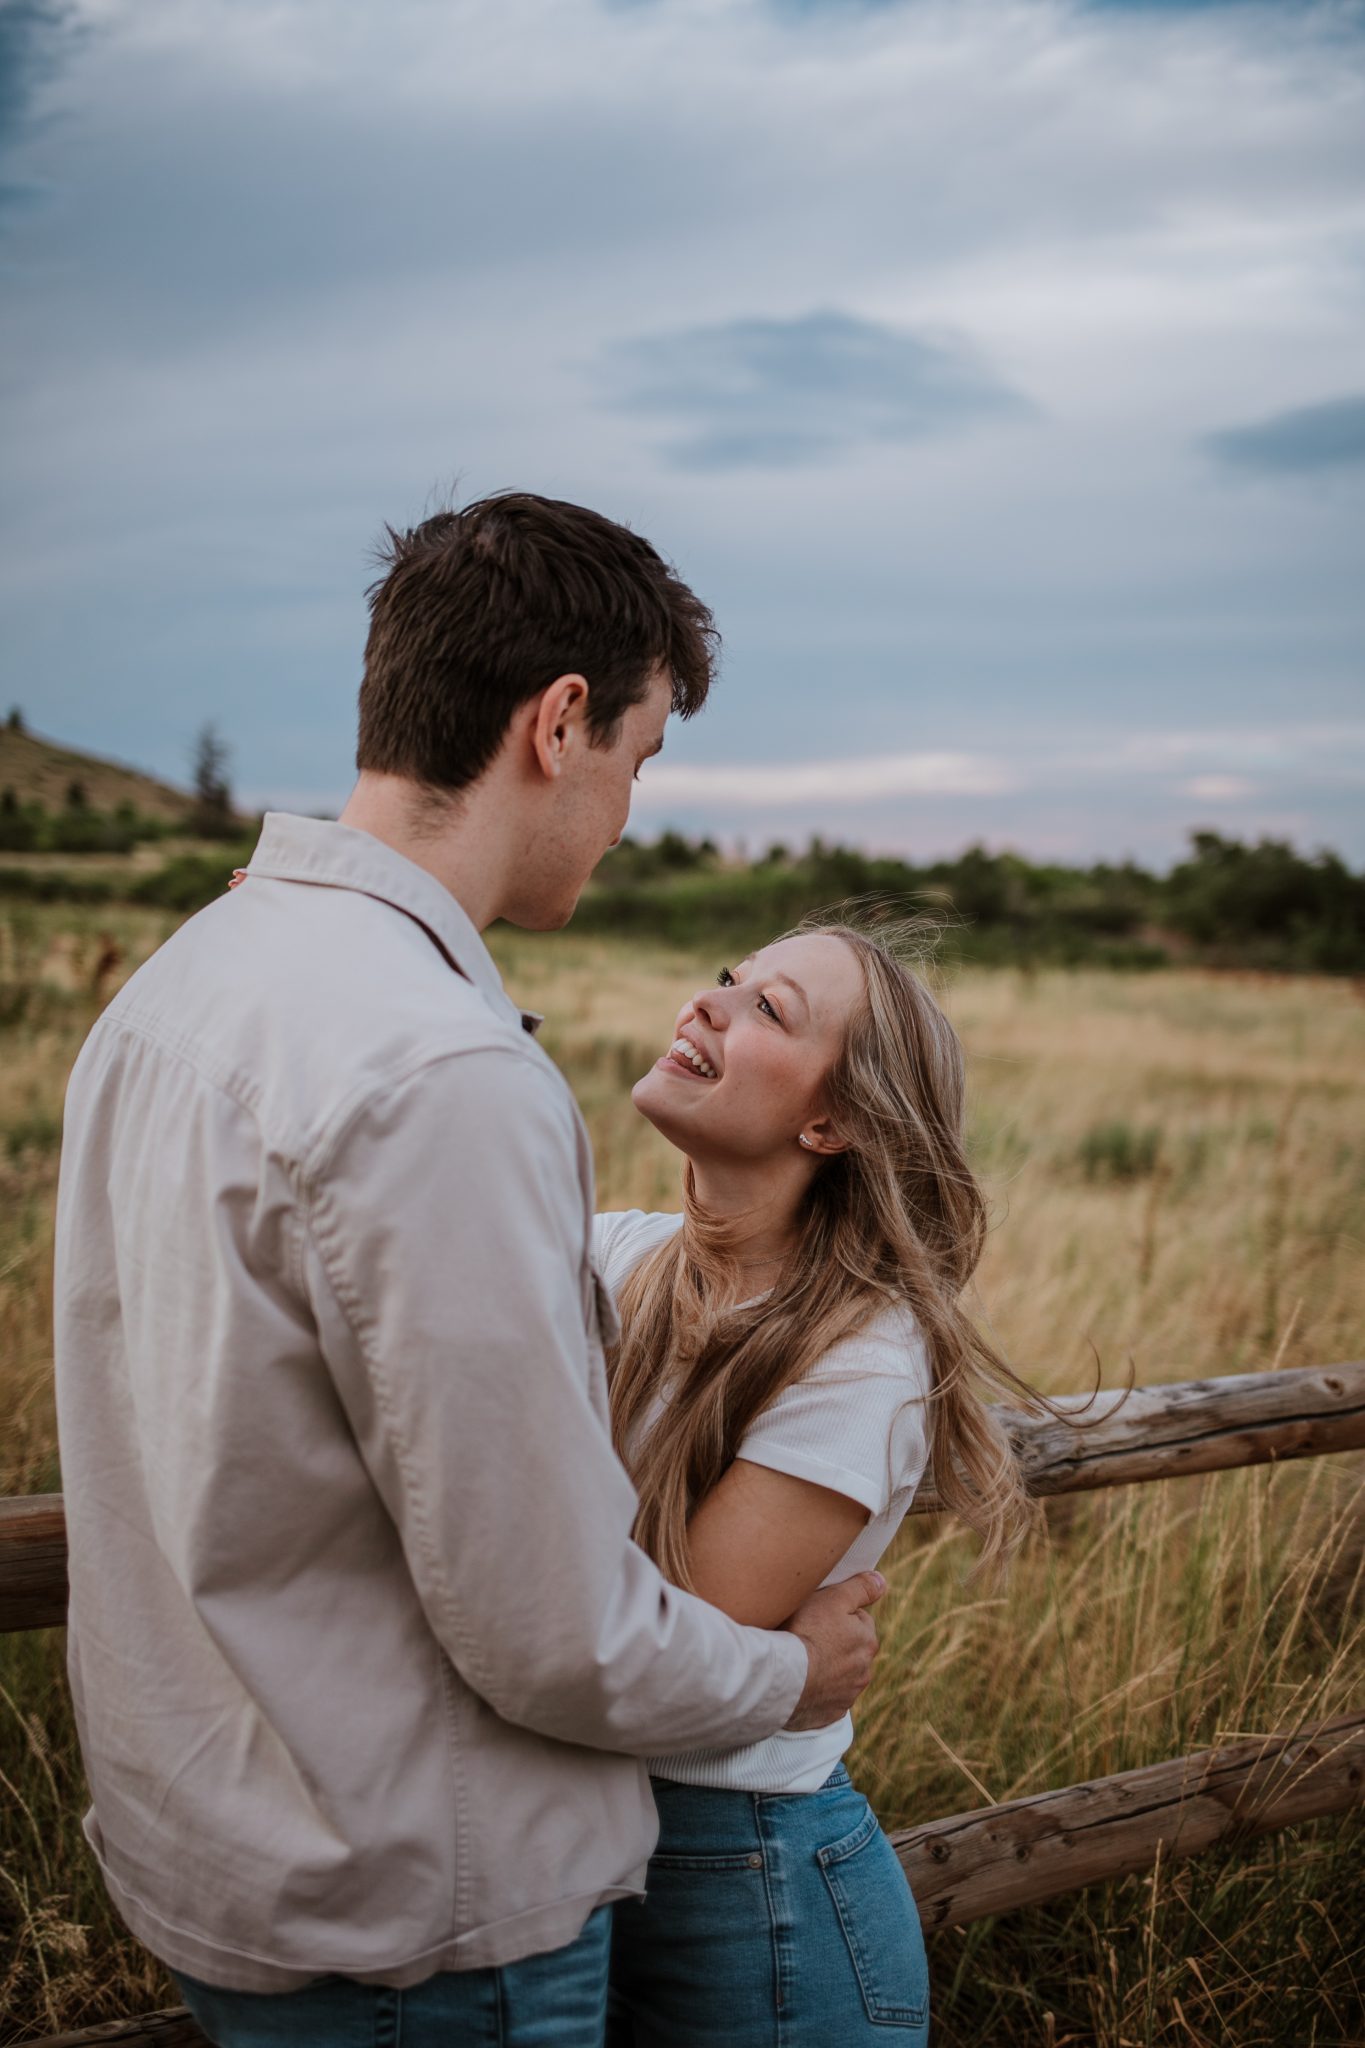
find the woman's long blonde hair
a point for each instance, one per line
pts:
(896, 1218)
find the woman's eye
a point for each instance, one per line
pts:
(727, 980)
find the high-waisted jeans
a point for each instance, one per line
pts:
(771, 1921)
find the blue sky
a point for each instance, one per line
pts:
(995, 368)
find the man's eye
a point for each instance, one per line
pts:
(725, 978)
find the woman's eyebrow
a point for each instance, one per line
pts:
(795, 988)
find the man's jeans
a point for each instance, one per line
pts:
(551, 2001)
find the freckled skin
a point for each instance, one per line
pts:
(772, 1045)
(562, 848)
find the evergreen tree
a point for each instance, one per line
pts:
(213, 814)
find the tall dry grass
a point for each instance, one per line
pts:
(1177, 1165)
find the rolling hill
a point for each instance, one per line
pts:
(40, 770)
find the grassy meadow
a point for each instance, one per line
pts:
(1176, 1162)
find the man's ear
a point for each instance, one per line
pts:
(560, 722)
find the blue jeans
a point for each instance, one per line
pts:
(557, 2000)
(772, 1921)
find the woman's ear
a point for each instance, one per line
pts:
(820, 1135)
(559, 718)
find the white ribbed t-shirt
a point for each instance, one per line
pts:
(857, 1423)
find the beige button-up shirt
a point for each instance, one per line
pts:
(362, 1653)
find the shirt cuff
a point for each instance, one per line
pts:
(793, 1671)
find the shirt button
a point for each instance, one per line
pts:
(755, 1863)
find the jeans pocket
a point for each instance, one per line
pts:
(880, 1923)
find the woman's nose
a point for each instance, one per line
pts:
(707, 1004)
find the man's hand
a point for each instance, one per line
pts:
(841, 1639)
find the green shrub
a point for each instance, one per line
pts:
(48, 885)
(32, 828)
(1117, 1152)
(191, 880)
(40, 1132)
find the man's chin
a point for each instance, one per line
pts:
(542, 917)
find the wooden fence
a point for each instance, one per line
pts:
(997, 1858)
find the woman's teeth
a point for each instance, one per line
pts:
(685, 1051)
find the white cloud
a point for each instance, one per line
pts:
(1218, 789)
(1334, 751)
(771, 784)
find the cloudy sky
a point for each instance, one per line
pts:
(995, 368)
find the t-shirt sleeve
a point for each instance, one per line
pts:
(608, 1228)
(858, 1422)
(622, 1237)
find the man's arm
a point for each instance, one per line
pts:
(446, 1220)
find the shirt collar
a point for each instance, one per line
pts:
(336, 856)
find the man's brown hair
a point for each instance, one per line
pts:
(482, 609)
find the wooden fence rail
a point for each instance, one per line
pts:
(1179, 1427)
(32, 1562)
(1160, 1432)
(997, 1858)
(1001, 1857)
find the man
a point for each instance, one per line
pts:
(361, 1649)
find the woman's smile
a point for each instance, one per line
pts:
(686, 1058)
(769, 1028)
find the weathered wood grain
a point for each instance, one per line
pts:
(1187, 1426)
(1004, 1857)
(1159, 1432)
(32, 1562)
(172, 2028)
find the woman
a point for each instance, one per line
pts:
(793, 1356)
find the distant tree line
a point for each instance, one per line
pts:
(30, 827)
(1227, 903)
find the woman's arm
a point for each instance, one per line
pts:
(762, 1540)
